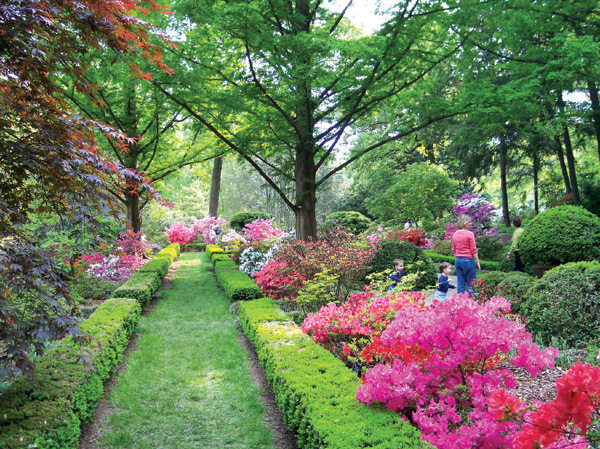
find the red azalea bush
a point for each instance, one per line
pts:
(447, 394)
(563, 422)
(416, 236)
(337, 251)
(351, 330)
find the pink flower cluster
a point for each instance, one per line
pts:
(448, 394)
(133, 243)
(200, 231)
(261, 229)
(361, 315)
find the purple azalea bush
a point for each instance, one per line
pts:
(483, 215)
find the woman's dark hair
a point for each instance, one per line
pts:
(517, 222)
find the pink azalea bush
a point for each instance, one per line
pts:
(133, 243)
(201, 229)
(351, 329)
(261, 229)
(179, 233)
(482, 213)
(447, 396)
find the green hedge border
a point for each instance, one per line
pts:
(236, 284)
(45, 411)
(314, 391)
(190, 247)
(485, 264)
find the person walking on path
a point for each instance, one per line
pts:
(514, 247)
(466, 257)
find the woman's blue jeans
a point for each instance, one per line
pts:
(466, 271)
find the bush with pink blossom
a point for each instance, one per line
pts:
(261, 229)
(202, 228)
(179, 233)
(447, 395)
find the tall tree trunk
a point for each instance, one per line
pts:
(503, 188)
(569, 154)
(563, 166)
(593, 90)
(215, 187)
(134, 217)
(536, 198)
(132, 198)
(305, 171)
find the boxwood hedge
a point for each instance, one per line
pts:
(236, 284)
(314, 391)
(45, 411)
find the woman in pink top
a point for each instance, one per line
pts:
(465, 253)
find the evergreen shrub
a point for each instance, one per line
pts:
(516, 286)
(565, 303)
(141, 286)
(350, 220)
(189, 247)
(315, 391)
(158, 264)
(238, 221)
(415, 260)
(492, 278)
(560, 235)
(236, 285)
(45, 411)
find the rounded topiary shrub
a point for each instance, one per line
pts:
(411, 255)
(565, 304)
(492, 278)
(516, 286)
(560, 235)
(351, 220)
(238, 221)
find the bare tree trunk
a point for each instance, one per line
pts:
(569, 153)
(563, 166)
(503, 188)
(593, 90)
(215, 187)
(536, 199)
(134, 217)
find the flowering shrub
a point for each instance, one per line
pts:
(447, 394)
(133, 243)
(261, 229)
(252, 261)
(277, 280)
(416, 236)
(562, 422)
(482, 213)
(179, 233)
(114, 268)
(337, 251)
(352, 329)
(201, 229)
(232, 241)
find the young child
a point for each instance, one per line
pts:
(396, 276)
(441, 293)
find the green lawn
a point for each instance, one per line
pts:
(187, 384)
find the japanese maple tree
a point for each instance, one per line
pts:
(49, 160)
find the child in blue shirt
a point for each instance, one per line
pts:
(441, 293)
(396, 276)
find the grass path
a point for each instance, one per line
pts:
(187, 384)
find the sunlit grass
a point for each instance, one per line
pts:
(187, 384)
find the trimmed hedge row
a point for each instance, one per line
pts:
(236, 284)
(314, 391)
(485, 264)
(188, 247)
(143, 284)
(213, 249)
(45, 411)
